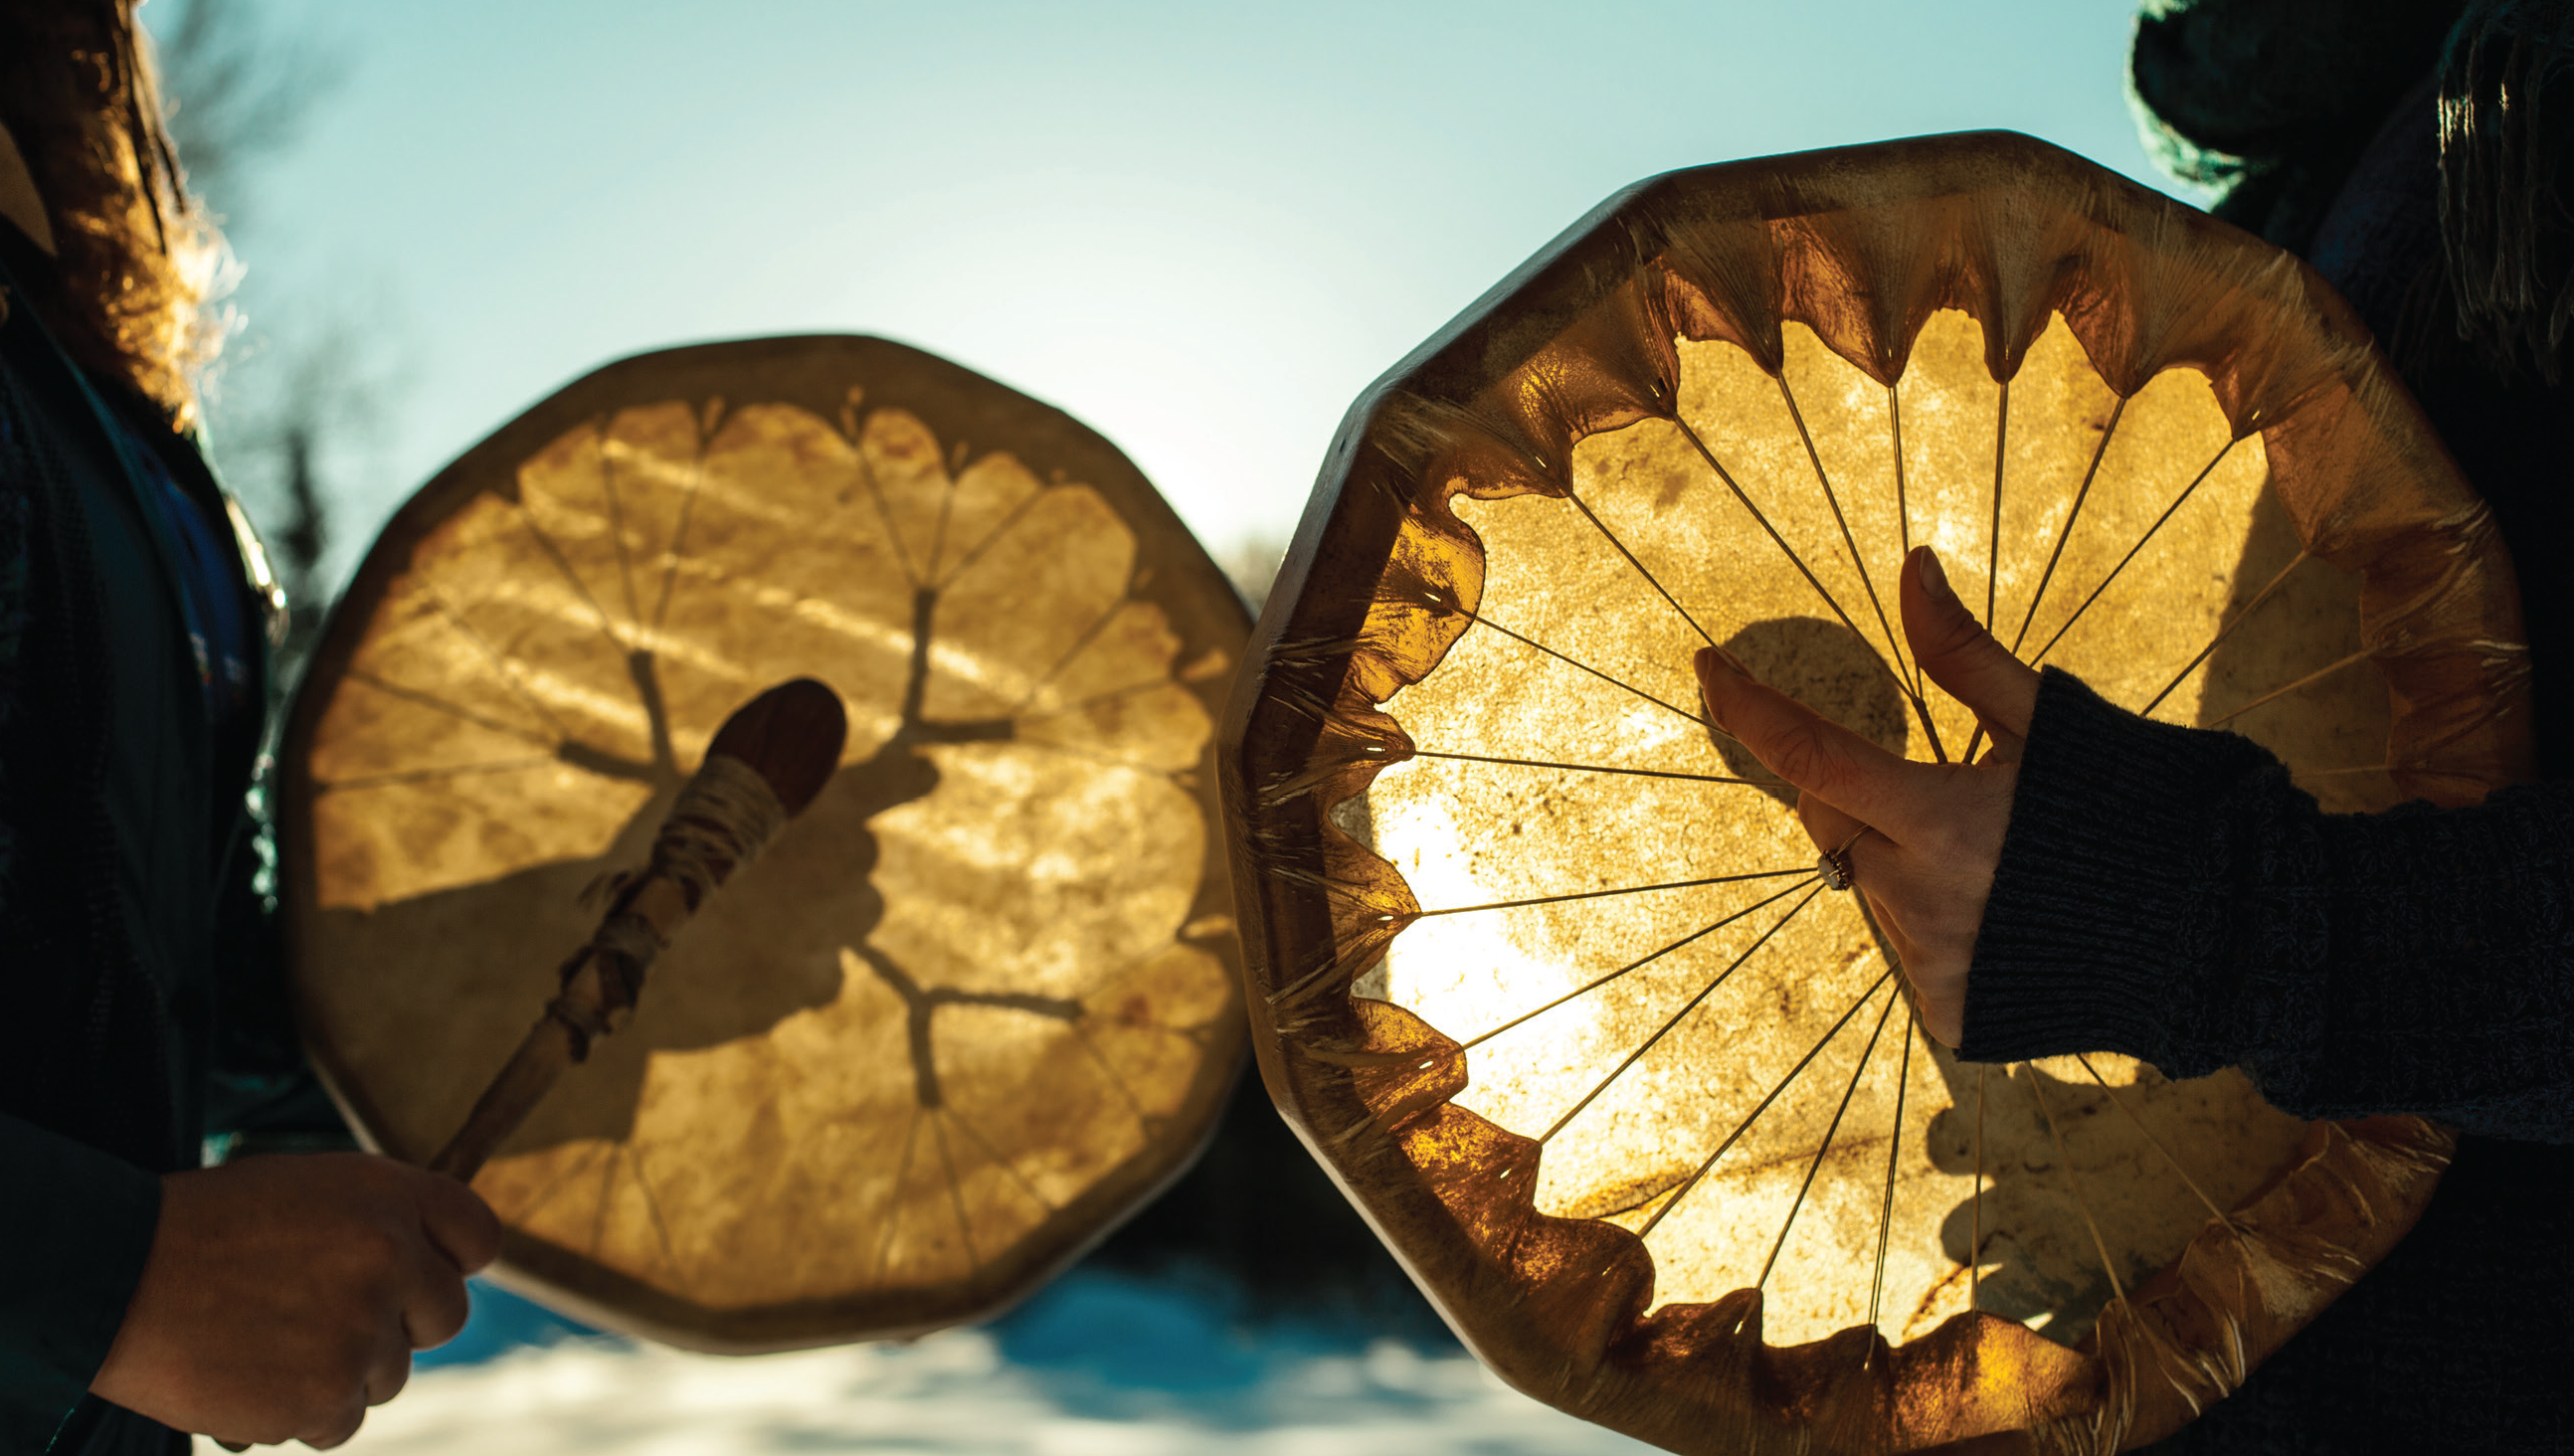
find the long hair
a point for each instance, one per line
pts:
(138, 256)
(2506, 138)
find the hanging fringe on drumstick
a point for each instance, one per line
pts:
(765, 765)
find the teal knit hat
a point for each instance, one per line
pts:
(2269, 102)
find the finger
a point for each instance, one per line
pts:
(1803, 746)
(388, 1373)
(1896, 939)
(1872, 867)
(1826, 823)
(1867, 854)
(337, 1429)
(458, 1222)
(1959, 654)
(436, 1305)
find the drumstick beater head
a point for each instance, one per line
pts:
(789, 739)
(791, 736)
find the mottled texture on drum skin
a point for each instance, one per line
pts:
(1461, 834)
(1831, 669)
(1473, 749)
(968, 1009)
(2443, 1345)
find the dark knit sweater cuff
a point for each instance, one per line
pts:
(2110, 895)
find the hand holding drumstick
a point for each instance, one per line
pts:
(284, 1295)
(1922, 840)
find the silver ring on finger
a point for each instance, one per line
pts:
(1835, 868)
(1835, 865)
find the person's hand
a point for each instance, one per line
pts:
(1924, 837)
(284, 1295)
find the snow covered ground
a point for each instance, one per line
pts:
(1100, 1364)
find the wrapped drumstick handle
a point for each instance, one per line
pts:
(767, 763)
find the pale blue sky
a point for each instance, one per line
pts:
(1203, 229)
(1200, 228)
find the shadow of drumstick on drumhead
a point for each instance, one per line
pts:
(763, 768)
(766, 946)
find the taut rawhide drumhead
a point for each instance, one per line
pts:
(1543, 968)
(969, 1010)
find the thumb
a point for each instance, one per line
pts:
(1960, 655)
(456, 1221)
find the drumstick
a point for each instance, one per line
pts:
(767, 763)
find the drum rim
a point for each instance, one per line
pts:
(959, 404)
(1596, 1364)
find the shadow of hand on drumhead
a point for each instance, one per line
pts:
(2038, 1265)
(2034, 1268)
(763, 947)
(778, 938)
(1825, 666)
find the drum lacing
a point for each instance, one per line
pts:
(724, 817)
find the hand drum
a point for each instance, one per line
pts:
(1542, 966)
(969, 1010)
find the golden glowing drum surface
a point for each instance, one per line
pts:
(972, 1007)
(1540, 967)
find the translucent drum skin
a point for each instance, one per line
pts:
(972, 1007)
(1539, 965)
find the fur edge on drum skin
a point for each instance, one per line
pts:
(1798, 269)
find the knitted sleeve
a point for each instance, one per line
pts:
(2168, 892)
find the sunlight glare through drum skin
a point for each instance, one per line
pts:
(964, 1012)
(1542, 831)
(1551, 981)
